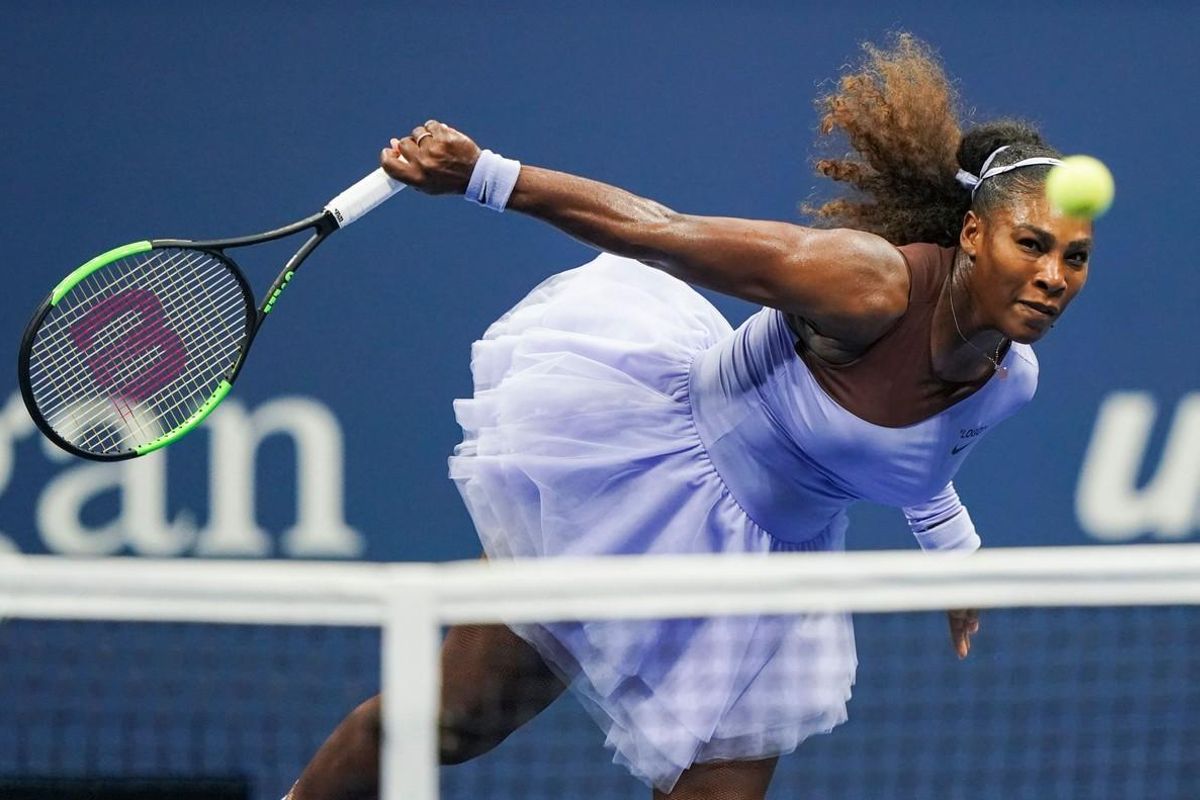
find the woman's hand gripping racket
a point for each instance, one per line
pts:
(136, 347)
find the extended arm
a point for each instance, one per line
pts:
(851, 285)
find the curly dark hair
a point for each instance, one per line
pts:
(899, 113)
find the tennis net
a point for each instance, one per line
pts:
(1083, 682)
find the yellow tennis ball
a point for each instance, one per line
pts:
(1080, 187)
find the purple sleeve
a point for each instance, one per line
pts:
(942, 523)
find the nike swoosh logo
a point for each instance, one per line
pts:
(960, 448)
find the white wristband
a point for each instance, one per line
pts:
(492, 180)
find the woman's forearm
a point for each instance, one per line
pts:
(603, 216)
(742, 258)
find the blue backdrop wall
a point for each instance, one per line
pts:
(131, 120)
(146, 119)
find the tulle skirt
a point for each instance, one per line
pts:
(579, 440)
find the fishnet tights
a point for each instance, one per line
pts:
(723, 780)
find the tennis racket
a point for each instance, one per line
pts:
(136, 347)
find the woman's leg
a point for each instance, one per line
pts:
(346, 766)
(492, 683)
(723, 780)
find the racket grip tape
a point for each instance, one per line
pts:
(362, 197)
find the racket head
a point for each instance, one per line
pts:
(133, 349)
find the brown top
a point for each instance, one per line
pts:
(892, 383)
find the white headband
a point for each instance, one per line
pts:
(972, 182)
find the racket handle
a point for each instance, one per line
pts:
(362, 197)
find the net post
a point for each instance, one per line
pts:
(411, 689)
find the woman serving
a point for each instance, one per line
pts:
(616, 412)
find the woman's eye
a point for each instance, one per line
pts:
(1030, 244)
(1078, 258)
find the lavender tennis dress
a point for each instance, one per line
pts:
(616, 412)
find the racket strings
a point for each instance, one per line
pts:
(115, 277)
(124, 329)
(219, 360)
(70, 357)
(183, 390)
(144, 364)
(192, 380)
(86, 416)
(196, 334)
(195, 381)
(137, 347)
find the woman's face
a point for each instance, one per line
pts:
(1029, 263)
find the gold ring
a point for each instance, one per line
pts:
(421, 138)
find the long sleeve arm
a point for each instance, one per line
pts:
(942, 523)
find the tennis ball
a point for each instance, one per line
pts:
(1080, 187)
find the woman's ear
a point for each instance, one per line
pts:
(968, 237)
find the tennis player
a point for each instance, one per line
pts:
(616, 412)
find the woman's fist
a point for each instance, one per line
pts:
(434, 158)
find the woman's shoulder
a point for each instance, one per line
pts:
(928, 265)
